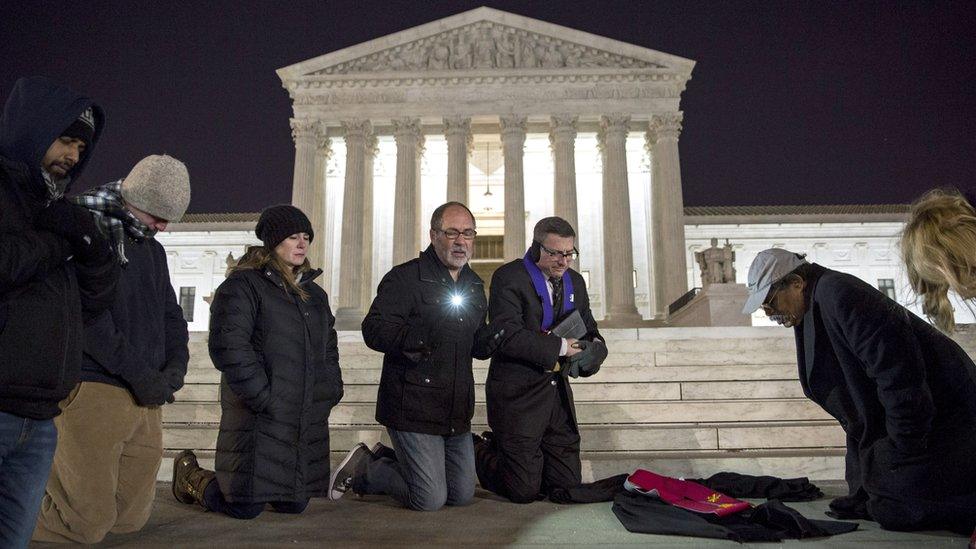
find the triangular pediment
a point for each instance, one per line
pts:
(485, 39)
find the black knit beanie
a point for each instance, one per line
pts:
(279, 222)
(82, 128)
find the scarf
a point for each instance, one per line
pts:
(539, 283)
(55, 188)
(112, 217)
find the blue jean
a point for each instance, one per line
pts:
(26, 452)
(215, 501)
(429, 472)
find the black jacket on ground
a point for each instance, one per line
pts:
(427, 344)
(141, 342)
(519, 387)
(280, 379)
(44, 297)
(904, 393)
(770, 521)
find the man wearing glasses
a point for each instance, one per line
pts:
(904, 393)
(428, 319)
(534, 446)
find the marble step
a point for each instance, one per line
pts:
(608, 374)
(634, 438)
(588, 413)
(625, 354)
(585, 392)
(814, 464)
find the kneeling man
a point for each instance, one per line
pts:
(904, 393)
(535, 444)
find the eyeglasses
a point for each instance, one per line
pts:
(452, 234)
(556, 254)
(768, 304)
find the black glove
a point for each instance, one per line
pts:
(76, 224)
(486, 341)
(416, 346)
(586, 362)
(150, 388)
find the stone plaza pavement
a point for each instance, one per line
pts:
(379, 522)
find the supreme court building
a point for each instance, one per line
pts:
(519, 119)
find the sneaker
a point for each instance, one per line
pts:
(341, 481)
(380, 450)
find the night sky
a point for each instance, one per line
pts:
(790, 102)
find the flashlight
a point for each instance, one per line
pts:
(457, 300)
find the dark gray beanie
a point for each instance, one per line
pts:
(279, 222)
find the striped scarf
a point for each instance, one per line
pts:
(113, 217)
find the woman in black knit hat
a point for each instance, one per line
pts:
(272, 335)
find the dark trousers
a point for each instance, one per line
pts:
(522, 466)
(215, 502)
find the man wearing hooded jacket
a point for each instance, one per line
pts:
(55, 272)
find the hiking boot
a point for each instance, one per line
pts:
(189, 479)
(354, 464)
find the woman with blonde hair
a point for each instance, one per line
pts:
(938, 245)
(272, 336)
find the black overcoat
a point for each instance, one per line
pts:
(521, 387)
(279, 360)
(904, 393)
(427, 343)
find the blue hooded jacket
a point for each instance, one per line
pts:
(42, 292)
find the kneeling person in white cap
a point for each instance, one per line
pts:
(135, 357)
(904, 393)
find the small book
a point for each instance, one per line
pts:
(570, 326)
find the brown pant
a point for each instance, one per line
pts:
(104, 473)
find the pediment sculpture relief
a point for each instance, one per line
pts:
(486, 45)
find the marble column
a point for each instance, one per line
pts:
(667, 211)
(304, 132)
(316, 255)
(513, 148)
(621, 310)
(351, 308)
(406, 206)
(372, 148)
(457, 131)
(562, 139)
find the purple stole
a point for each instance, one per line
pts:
(542, 290)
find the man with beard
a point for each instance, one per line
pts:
(428, 320)
(904, 393)
(534, 446)
(56, 273)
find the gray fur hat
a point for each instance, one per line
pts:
(159, 185)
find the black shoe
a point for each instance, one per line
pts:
(355, 461)
(380, 450)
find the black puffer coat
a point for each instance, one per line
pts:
(280, 364)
